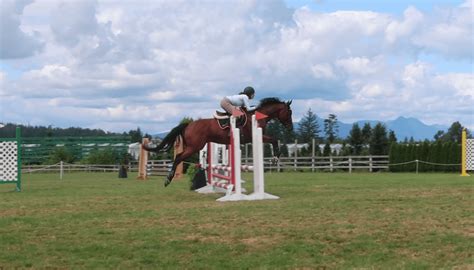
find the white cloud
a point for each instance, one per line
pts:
(450, 33)
(359, 66)
(117, 64)
(73, 20)
(323, 71)
(14, 42)
(397, 30)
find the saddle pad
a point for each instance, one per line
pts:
(225, 123)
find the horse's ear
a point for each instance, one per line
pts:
(289, 103)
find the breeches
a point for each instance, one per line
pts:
(227, 106)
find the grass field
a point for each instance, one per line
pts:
(323, 220)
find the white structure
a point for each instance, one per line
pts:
(134, 148)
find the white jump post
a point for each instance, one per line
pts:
(258, 173)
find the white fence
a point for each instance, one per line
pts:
(331, 163)
(161, 167)
(155, 167)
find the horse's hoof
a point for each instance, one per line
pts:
(167, 182)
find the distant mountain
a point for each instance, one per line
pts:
(160, 135)
(403, 127)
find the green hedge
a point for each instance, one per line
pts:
(431, 152)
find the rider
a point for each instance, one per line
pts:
(231, 103)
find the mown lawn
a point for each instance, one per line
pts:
(323, 220)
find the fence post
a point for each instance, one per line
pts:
(350, 164)
(331, 165)
(247, 153)
(278, 163)
(416, 166)
(61, 170)
(370, 164)
(296, 154)
(312, 155)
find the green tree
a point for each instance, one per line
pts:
(424, 156)
(366, 133)
(284, 150)
(452, 135)
(394, 157)
(186, 120)
(60, 154)
(392, 137)
(331, 128)
(438, 155)
(346, 150)
(411, 157)
(309, 128)
(355, 139)
(136, 135)
(267, 150)
(327, 150)
(103, 156)
(379, 140)
(439, 135)
(278, 131)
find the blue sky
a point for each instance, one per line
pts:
(391, 7)
(117, 64)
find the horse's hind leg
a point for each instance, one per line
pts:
(179, 158)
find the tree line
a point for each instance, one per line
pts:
(365, 140)
(362, 140)
(9, 129)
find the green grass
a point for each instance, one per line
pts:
(323, 220)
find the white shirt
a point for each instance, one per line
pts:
(240, 101)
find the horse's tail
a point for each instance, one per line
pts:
(168, 141)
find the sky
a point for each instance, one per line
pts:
(119, 65)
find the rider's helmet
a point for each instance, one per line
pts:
(249, 91)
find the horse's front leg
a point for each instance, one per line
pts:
(276, 148)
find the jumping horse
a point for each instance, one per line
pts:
(197, 133)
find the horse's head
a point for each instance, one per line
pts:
(285, 115)
(280, 110)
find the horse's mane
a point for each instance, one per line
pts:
(269, 101)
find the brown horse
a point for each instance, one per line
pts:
(196, 134)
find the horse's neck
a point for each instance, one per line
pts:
(272, 112)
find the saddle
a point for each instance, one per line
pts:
(223, 119)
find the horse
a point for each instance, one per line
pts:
(197, 133)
